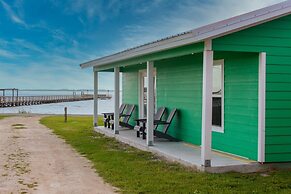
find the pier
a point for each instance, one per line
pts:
(14, 99)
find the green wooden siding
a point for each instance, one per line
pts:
(274, 38)
(240, 135)
(130, 89)
(179, 85)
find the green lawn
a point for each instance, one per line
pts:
(135, 171)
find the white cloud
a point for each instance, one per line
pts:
(57, 34)
(11, 55)
(188, 14)
(148, 6)
(53, 67)
(57, 66)
(18, 48)
(27, 45)
(105, 9)
(50, 75)
(12, 15)
(44, 74)
(5, 53)
(92, 8)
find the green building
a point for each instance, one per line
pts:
(230, 81)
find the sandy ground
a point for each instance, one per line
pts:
(34, 160)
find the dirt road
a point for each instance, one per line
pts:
(34, 160)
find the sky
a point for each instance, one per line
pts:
(43, 42)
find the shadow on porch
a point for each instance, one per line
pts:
(184, 153)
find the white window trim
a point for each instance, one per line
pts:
(220, 129)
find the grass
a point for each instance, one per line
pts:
(135, 171)
(2, 117)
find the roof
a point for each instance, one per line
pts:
(211, 31)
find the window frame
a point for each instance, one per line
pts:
(220, 129)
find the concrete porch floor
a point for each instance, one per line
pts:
(184, 153)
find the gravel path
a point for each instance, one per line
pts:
(34, 160)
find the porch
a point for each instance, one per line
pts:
(190, 83)
(184, 153)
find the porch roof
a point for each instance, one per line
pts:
(191, 37)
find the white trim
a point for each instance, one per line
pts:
(116, 99)
(262, 107)
(206, 134)
(220, 129)
(150, 103)
(211, 31)
(140, 94)
(95, 116)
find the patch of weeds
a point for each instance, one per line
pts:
(23, 191)
(21, 168)
(20, 128)
(32, 185)
(6, 166)
(17, 125)
(29, 185)
(16, 162)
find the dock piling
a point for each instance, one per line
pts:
(66, 114)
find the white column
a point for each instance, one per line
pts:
(95, 117)
(140, 95)
(207, 105)
(150, 103)
(116, 100)
(261, 107)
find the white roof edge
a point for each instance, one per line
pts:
(214, 30)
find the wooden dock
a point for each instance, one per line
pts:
(11, 101)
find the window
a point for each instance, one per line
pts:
(218, 96)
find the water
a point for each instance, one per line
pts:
(74, 108)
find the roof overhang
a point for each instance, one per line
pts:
(211, 31)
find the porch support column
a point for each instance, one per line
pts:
(116, 100)
(95, 117)
(207, 105)
(140, 95)
(261, 107)
(150, 103)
